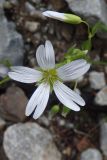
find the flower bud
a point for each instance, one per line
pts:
(68, 18)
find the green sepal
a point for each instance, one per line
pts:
(65, 111)
(55, 109)
(72, 19)
(98, 27)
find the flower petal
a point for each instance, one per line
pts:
(45, 56)
(73, 70)
(50, 55)
(42, 105)
(69, 18)
(37, 99)
(25, 74)
(71, 94)
(67, 96)
(55, 15)
(40, 56)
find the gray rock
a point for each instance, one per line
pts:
(32, 26)
(29, 142)
(7, 5)
(1, 3)
(11, 42)
(91, 154)
(103, 137)
(3, 70)
(15, 2)
(92, 11)
(29, 7)
(34, 12)
(1, 8)
(97, 80)
(13, 104)
(36, 1)
(44, 121)
(101, 97)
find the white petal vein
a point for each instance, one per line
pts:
(36, 98)
(42, 104)
(66, 96)
(25, 74)
(73, 70)
(45, 56)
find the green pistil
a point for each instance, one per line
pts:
(49, 76)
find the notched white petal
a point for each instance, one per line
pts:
(71, 94)
(73, 70)
(36, 99)
(55, 15)
(67, 96)
(25, 70)
(50, 55)
(81, 71)
(40, 56)
(42, 104)
(25, 74)
(45, 56)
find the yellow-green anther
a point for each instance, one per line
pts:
(50, 76)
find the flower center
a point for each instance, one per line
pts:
(50, 76)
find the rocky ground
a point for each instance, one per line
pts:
(79, 136)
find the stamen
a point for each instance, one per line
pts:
(50, 76)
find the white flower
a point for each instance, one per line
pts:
(69, 18)
(48, 76)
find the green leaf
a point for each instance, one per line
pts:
(6, 62)
(98, 27)
(65, 111)
(86, 45)
(71, 50)
(74, 54)
(4, 80)
(55, 109)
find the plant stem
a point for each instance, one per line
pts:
(4, 80)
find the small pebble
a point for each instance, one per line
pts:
(31, 26)
(101, 97)
(97, 80)
(91, 154)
